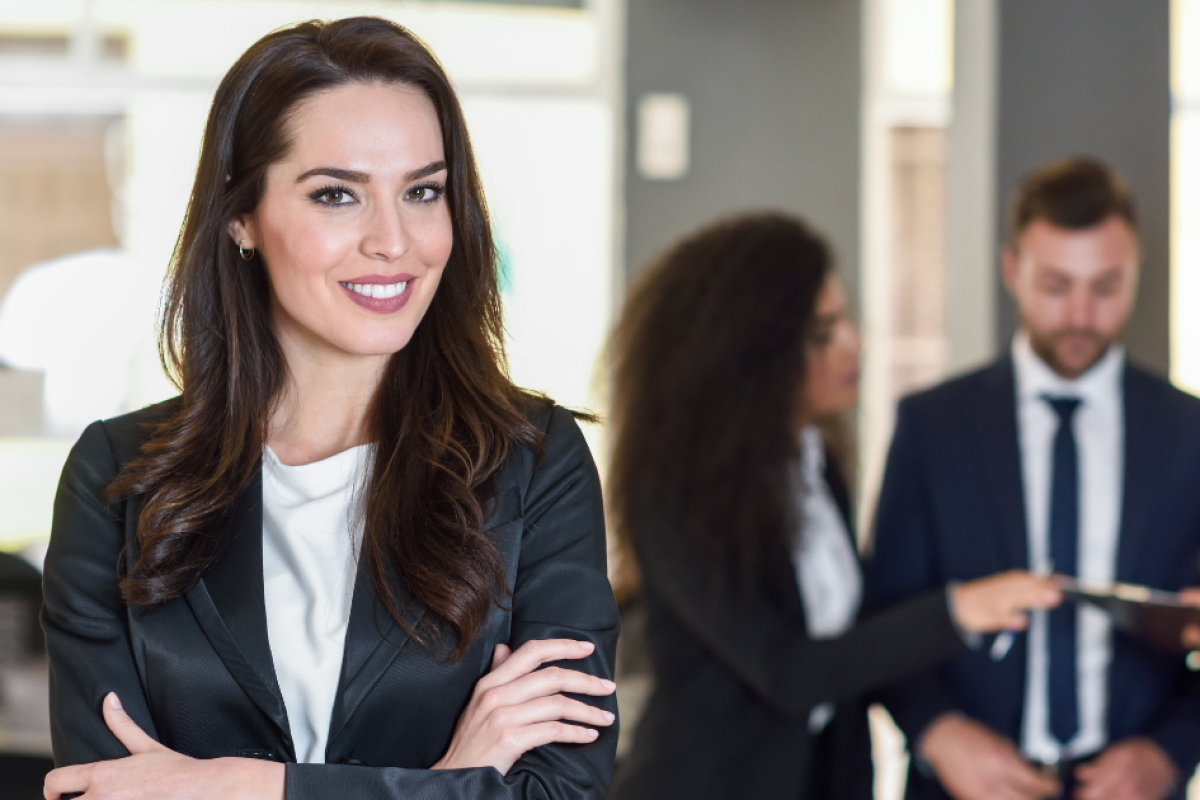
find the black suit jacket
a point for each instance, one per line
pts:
(736, 677)
(196, 673)
(952, 508)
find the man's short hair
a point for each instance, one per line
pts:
(1073, 193)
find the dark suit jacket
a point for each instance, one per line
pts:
(196, 673)
(736, 676)
(952, 508)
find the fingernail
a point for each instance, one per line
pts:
(114, 701)
(607, 684)
(591, 734)
(587, 646)
(608, 715)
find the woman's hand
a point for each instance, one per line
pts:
(155, 771)
(999, 602)
(517, 707)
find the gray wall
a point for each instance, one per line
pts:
(1092, 77)
(774, 87)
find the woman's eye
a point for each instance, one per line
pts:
(426, 194)
(332, 196)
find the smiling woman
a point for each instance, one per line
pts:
(335, 563)
(344, 210)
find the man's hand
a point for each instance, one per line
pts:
(975, 763)
(1191, 634)
(1131, 769)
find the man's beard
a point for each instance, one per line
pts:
(1048, 347)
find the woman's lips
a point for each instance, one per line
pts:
(382, 294)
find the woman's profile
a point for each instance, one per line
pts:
(731, 353)
(336, 563)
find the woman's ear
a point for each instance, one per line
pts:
(241, 230)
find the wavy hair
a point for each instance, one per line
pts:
(708, 364)
(445, 415)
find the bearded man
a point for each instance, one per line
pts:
(1060, 457)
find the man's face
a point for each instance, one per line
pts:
(1074, 289)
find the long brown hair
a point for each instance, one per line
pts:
(708, 361)
(445, 415)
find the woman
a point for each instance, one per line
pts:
(730, 352)
(304, 574)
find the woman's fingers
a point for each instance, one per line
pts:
(999, 602)
(526, 738)
(500, 655)
(545, 682)
(552, 709)
(1029, 592)
(1012, 621)
(533, 654)
(67, 780)
(125, 729)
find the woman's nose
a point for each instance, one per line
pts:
(386, 236)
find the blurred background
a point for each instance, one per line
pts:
(605, 129)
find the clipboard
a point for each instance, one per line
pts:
(1156, 616)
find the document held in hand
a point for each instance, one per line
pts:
(1158, 617)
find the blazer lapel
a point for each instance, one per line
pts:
(229, 603)
(1144, 470)
(993, 425)
(374, 640)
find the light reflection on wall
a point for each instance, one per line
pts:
(1185, 201)
(909, 74)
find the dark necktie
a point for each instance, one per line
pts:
(1064, 550)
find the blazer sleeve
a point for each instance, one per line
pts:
(769, 650)
(561, 590)
(904, 565)
(84, 619)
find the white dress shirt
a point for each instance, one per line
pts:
(823, 555)
(1099, 428)
(310, 551)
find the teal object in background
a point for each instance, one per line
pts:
(503, 264)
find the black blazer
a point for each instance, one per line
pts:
(736, 678)
(196, 673)
(952, 508)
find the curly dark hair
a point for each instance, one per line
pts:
(709, 360)
(445, 415)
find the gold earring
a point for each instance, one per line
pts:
(244, 253)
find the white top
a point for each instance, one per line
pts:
(826, 565)
(310, 551)
(1099, 428)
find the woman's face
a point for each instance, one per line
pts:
(831, 383)
(353, 225)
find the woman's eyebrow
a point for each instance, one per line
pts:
(357, 176)
(337, 173)
(427, 170)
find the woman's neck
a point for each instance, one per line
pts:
(323, 410)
